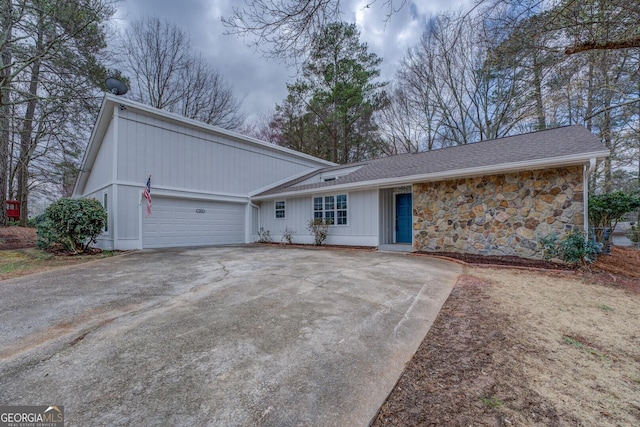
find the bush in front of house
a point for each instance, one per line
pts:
(573, 249)
(264, 236)
(319, 228)
(74, 224)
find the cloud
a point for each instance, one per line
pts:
(261, 83)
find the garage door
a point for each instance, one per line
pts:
(185, 222)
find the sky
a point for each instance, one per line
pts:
(260, 82)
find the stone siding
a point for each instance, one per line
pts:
(499, 214)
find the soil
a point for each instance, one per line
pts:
(17, 237)
(512, 261)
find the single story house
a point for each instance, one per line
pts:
(211, 186)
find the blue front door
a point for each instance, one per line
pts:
(403, 218)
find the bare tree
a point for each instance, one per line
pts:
(44, 47)
(168, 74)
(579, 25)
(452, 90)
(285, 29)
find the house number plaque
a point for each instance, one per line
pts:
(199, 210)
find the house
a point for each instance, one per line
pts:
(212, 186)
(201, 177)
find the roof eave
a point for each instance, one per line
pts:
(570, 160)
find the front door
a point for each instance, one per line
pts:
(403, 218)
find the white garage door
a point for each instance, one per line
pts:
(185, 222)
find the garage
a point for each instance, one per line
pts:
(188, 222)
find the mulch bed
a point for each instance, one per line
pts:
(454, 374)
(512, 261)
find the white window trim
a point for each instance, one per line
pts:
(284, 209)
(335, 209)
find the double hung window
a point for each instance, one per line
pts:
(333, 209)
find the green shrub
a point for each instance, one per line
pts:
(634, 233)
(319, 228)
(74, 224)
(605, 210)
(550, 246)
(573, 249)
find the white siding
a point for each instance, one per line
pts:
(102, 169)
(105, 240)
(362, 228)
(128, 212)
(387, 216)
(182, 157)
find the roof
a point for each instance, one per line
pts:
(106, 113)
(564, 146)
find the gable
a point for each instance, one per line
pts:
(183, 154)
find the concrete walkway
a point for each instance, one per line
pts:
(254, 335)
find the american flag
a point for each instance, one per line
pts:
(147, 195)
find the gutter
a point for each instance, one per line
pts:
(569, 160)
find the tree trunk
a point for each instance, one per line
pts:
(588, 113)
(537, 85)
(26, 134)
(606, 124)
(5, 73)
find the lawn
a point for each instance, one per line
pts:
(18, 262)
(518, 347)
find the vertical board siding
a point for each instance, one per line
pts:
(363, 215)
(102, 170)
(387, 223)
(129, 206)
(181, 157)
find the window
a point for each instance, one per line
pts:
(333, 209)
(106, 209)
(280, 211)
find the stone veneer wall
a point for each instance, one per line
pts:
(499, 214)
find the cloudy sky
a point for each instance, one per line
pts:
(262, 82)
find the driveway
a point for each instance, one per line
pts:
(252, 335)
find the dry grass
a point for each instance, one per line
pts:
(575, 343)
(20, 262)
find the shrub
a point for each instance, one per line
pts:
(634, 233)
(550, 248)
(74, 224)
(264, 236)
(319, 228)
(287, 235)
(573, 249)
(605, 210)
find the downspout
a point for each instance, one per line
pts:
(252, 205)
(588, 170)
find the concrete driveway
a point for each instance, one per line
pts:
(254, 335)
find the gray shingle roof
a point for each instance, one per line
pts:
(526, 148)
